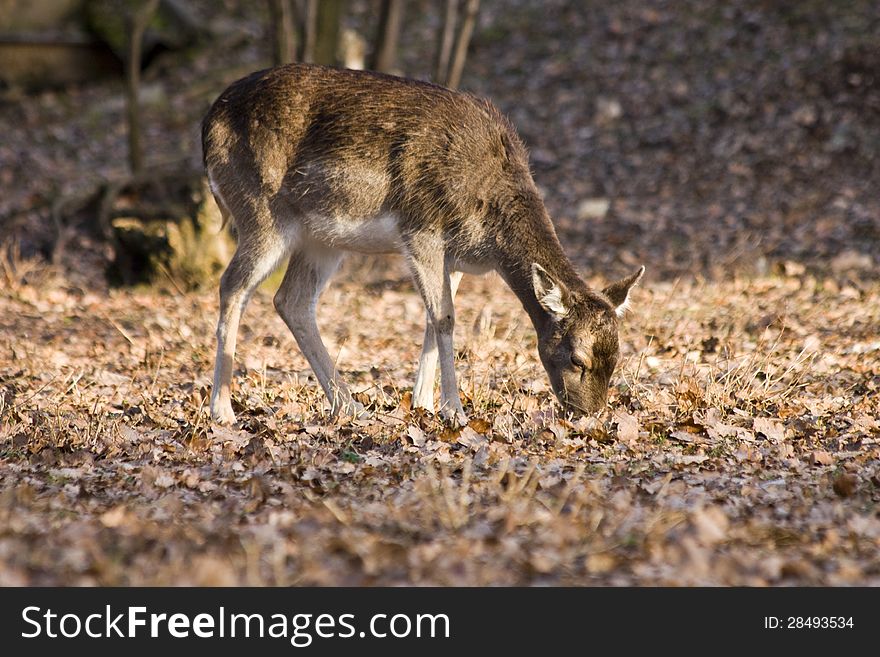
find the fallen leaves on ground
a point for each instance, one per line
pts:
(755, 462)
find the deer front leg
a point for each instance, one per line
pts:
(431, 273)
(423, 390)
(296, 302)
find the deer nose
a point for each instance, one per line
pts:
(587, 406)
(593, 401)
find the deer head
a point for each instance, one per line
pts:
(578, 343)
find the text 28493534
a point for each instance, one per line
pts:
(808, 622)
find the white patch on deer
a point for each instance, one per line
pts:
(471, 266)
(379, 234)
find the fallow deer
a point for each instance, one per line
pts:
(310, 162)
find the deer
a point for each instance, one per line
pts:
(309, 163)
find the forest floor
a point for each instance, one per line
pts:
(741, 445)
(732, 150)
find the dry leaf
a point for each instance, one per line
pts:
(600, 563)
(627, 427)
(772, 429)
(116, 517)
(846, 484)
(686, 437)
(479, 425)
(416, 435)
(711, 524)
(470, 438)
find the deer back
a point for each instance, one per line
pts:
(309, 141)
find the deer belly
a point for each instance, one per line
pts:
(473, 266)
(379, 234)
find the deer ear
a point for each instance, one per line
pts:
(618, 293)
(552, 295)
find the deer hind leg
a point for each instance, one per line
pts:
(296, 302)
(423, 390)
(250, 265)
(427, 260)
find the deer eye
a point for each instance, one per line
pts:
(577, 362)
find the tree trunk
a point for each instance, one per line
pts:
(390, 19)
(461, 45)
(138, 20)
(283, 30)
(310, 28)
(445, 41)
(327, 31)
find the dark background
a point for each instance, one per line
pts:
(720, 136)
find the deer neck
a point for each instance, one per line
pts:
(529, 237)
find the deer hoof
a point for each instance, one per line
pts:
(223, 415)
